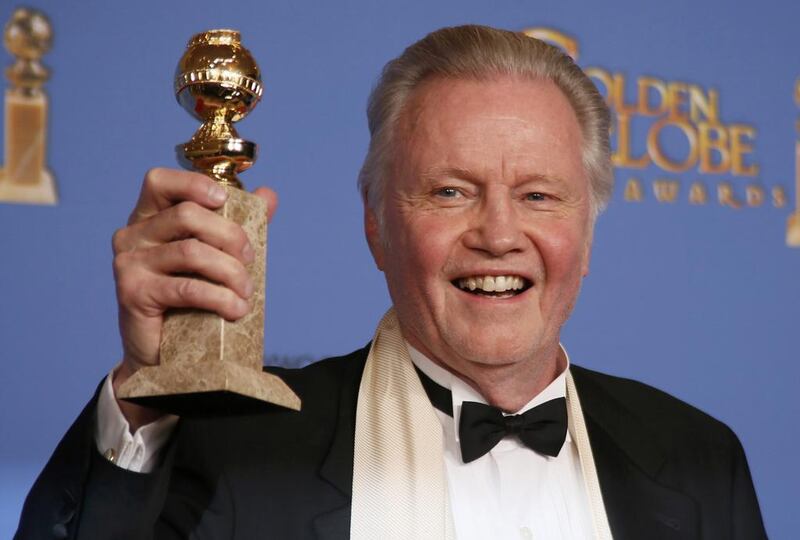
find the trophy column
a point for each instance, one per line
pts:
(208, 364)
(793, 223)
(24, 177)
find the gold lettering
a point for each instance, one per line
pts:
(713, 139)
(754, 195)
(654, 148)
(778, 197)
(707, 104)
(622, 157)
(633, 190)
(698, 194)
(713, 148)
(676, 98)
(738, 132)
(645, 85)
(666, 190)
(726, 196)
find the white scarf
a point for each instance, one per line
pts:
(399, 481)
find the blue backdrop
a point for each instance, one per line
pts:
(700, 300)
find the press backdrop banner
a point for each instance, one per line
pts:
(692, 288)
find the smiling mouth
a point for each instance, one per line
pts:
(494, 286)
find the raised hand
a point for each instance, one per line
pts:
(172, 239)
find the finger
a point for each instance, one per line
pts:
(188, 292)
(162, 188)
(186, 220)
(195, 257)
(270, 197)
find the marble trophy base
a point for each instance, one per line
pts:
(41, 192)
(192, 388)
(207, 364)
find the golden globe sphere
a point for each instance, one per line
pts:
(218, 82)
(28, 34)
(217, 73)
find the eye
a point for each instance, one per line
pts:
(536, 196)
(447, 192)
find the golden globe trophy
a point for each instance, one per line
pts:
(24, 177)
(793, 223)
(208, 364)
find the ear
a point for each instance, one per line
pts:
(373, 233)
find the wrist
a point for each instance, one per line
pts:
(136, 415)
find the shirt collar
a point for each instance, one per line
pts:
(463, 391)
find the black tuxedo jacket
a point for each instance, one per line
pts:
(666, 470)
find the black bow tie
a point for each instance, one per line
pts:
(542, 428)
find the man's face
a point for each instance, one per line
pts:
(486, 230)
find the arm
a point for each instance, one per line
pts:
(172, 236)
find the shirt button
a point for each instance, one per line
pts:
(110, 455)
(525, 533)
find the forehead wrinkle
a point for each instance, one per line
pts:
(461, 173)
(416, 124)
(539, 178)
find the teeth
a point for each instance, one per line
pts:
(492, 283)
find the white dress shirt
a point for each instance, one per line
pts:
(511, 492)
(138, 452)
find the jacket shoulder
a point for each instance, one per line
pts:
(670, 420)
(650, 446)
(328, 373)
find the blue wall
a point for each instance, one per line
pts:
(702, 301)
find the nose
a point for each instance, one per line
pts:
(496, 228)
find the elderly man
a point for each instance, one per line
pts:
(463, 418)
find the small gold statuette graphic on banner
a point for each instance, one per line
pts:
(208, 364)
(793, 226)
(24, 177)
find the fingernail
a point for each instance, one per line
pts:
(242, 305)
(247, 253)
(217, 193)
(248, 288)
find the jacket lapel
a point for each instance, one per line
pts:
(627, 459)
(337, 467)
(628, 463)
